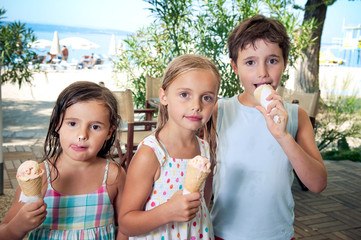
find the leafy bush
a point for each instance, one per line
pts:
(15, 53)
(339, 118)
(352, 155)
(200, 27)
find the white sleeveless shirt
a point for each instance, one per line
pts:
(253, 179)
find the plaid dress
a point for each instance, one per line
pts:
(84, 216)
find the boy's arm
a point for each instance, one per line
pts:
(304, 154)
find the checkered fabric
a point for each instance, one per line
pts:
(85, 216)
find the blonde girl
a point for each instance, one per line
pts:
(155, 206)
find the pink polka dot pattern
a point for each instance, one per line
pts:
(171, 180)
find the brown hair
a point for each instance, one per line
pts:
(80, 91)
(255, 28)
(177, 67)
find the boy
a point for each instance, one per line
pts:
(256, 156)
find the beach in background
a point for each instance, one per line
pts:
(101, 37)
(350, 56)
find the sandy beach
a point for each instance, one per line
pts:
(47, 85)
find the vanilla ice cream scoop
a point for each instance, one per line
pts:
(261, 93)
(29, 176)
(198, 169)
(29, 170)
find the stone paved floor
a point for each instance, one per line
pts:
(333, 214)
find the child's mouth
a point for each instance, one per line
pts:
(259, 84)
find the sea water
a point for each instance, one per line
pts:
(102, 37)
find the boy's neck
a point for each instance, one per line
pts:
(247, 100)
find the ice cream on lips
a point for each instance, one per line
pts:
(261, 93)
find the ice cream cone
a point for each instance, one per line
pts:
(261, 93)
(31, 187)
(29, 176)
(198, 169)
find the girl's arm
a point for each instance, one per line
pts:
(22, 218)
(115, 186)
(302, 152)
(133, 219)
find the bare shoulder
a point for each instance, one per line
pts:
(115, 172)
(144, 163)
(145, 156)
(304, 120)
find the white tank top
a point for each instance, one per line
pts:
(252, 184)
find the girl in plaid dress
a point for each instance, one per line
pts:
(155, 207)
(81, 188)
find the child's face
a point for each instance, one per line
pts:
(190, 99)
(85, 128)
(263, 64)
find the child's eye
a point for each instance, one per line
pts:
(249, 63)
(273, 61)
(95, 127)
(208, 98)
(72, 124)
(184, 95)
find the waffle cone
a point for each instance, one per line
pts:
(194, 179)
(31, 187)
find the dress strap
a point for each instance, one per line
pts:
(47, 172)
(204, 147)
(106, 172)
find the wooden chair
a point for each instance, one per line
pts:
(308, 102)
(152, 86)
(135, 131)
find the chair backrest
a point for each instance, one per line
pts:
(307, 101)
(125, 105)
(152, 86)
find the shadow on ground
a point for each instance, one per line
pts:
(25, 119)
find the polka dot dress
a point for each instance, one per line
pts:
(170, 181)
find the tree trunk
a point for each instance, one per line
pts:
(1, 143)
(307, 69)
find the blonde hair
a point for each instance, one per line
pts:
(178, 67)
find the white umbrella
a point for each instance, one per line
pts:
(55, 47)
(112, 48)
(78, 43)
(121, 46)
(41, 43)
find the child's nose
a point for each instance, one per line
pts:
(82, 135)
(196, 106)
(262, 71)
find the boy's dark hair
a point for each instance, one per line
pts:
(255, 28)
(80, 91)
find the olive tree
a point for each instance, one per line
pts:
(15, 56)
